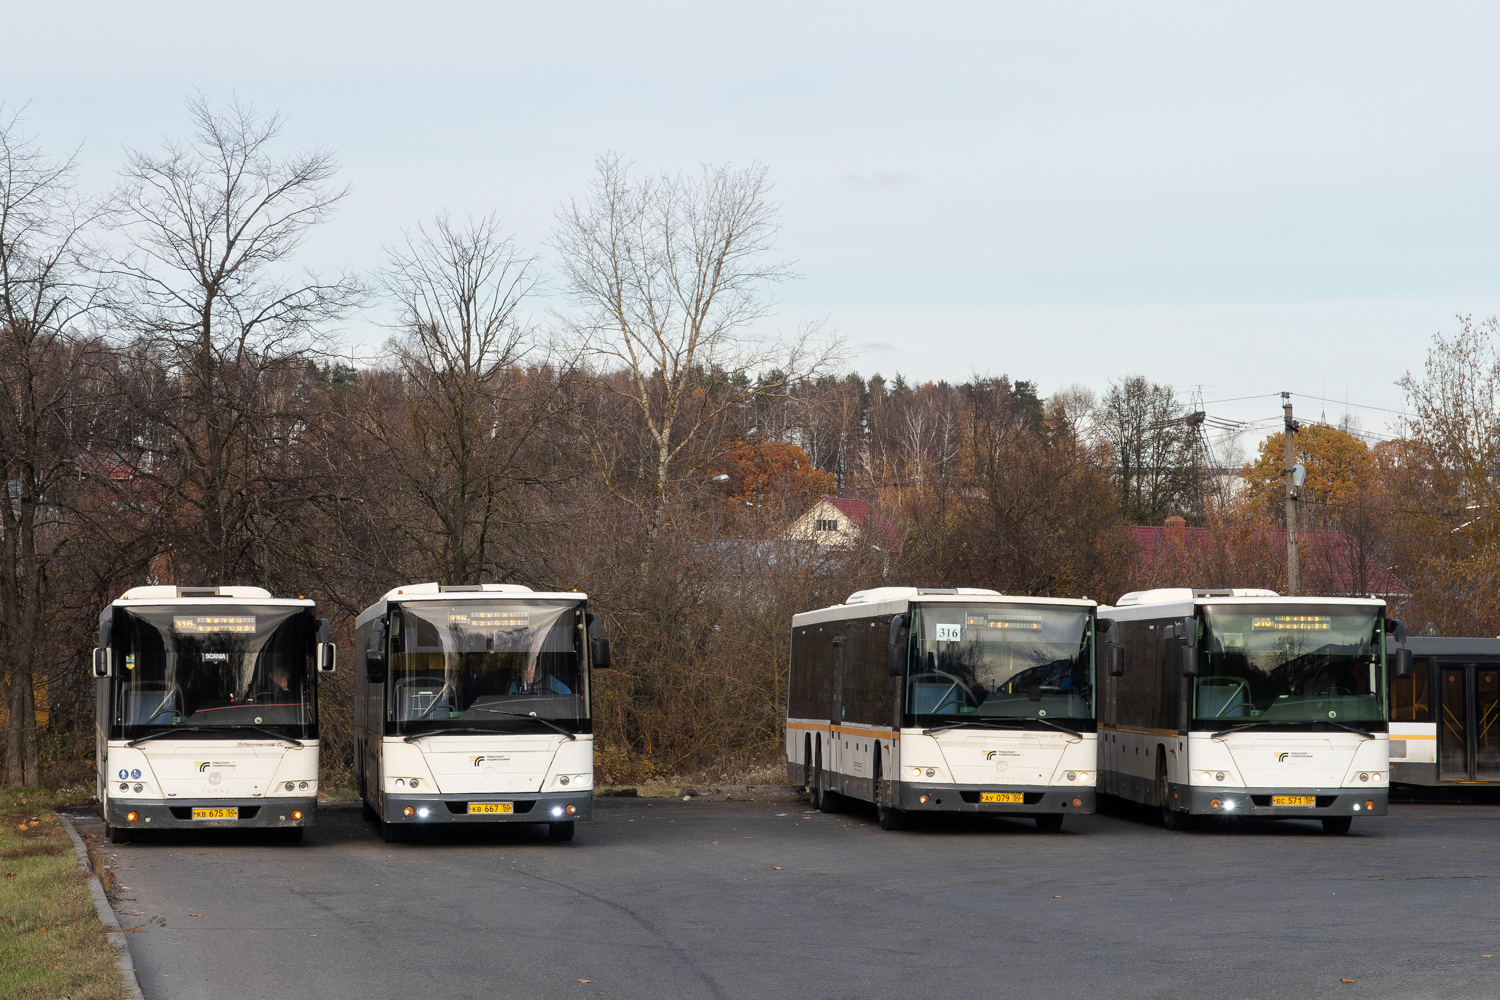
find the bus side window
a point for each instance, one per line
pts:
(1409, 701)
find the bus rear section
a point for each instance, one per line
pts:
(1245, 703)
(1445, 714)
(472, 706)
(925, 701)
(206, 710)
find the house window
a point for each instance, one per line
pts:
(825, 524)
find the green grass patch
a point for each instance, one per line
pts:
(52, 945)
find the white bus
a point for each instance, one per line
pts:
(1445, 716)
(945, 701)
(1246, 703)
(473, 707)
(206, 710)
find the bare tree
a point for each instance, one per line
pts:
(210, 229)
(45, 290)
(670, 274)
(1141, 423)
(458, 443)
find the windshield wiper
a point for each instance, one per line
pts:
(492, 732)
(212, 729)
(1019, 723)
(1277, 723)
(532, 716)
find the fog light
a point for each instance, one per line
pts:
(302, 785)
(1214, 803)
(422, 813)
(916, 772)
(1370, 804)
(296, 815)
(415, 782)
(1356, 807)
(563, 780)
(1219, 776)
(1229, 805)
(408, 811)
(1077, 803)
(290, 786)
(400, 782)
(1072, 775)
(571, 810)
(557, 810)
(931, 772)
(132, 817)
(925, 799)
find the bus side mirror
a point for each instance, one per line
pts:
(101, 661)
(1403, 663)
(599, 652)
(895, 647)
(1189, 660)
(375, 655)
(1114, 659)
(328, 657)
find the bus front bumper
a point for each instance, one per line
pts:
(253, 814)
(969, 799)
(534, 807)
(1260, 802)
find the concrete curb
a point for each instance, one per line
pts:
(112, 928)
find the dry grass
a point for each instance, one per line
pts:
(52, 945)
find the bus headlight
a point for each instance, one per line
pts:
(916, 772)
(563, 779)
(1072, 775)
(415, 782)
(931, 771)
(302, 785)
(1218, 775)
(290, 785)
(124, 786)
(138, 786)
(400, 782)
(1364, 776)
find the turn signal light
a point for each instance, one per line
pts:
(132, 817)
(1215, 803)
(924, 800)
(1077, 803)
(1370, 804)
(296, 815)
(571, 810)
(408, 811)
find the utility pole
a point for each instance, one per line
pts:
(1291, 495)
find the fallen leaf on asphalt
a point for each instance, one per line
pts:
(1057, 897)
(195, 914)
(779, 868)
(1486, 956)
(585, 980)
(367, 921)
(1346, 980)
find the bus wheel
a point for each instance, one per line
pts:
(119, 834)
(393, 833)
(1049, 822)
(292, 835)
(562, 832)
(891, 818)
(1337, 825)
(368, 811)
(1170, 818)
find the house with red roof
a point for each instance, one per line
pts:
(842, 523)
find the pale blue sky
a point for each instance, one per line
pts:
(1255, 198)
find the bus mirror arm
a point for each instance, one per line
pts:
(1403, 663)
(599, 653)
(1396, 627)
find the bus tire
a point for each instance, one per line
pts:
(118, 834)
(815, 793)
(368, 811)
(393, 833)
(561, 832)
(1170, 818)
(1337, 825)
(291, 836)
(891, 818)
(1049, 822)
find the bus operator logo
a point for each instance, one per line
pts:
(1281, 757)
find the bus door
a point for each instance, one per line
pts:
(1469, 729)
(833, 759)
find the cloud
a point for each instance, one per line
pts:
(880, 178)
(876, 345)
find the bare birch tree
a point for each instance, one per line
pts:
(210, 229)
(45, 290)
(670, 275)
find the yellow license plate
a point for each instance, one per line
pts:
(1293, 800)
(491, 807)
(232, 812)
(1000, 797)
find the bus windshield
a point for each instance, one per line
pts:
(1292, 663)
(980, 662)
(201, 667)
(487, 664)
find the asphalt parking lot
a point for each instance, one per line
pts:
(664, 898)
